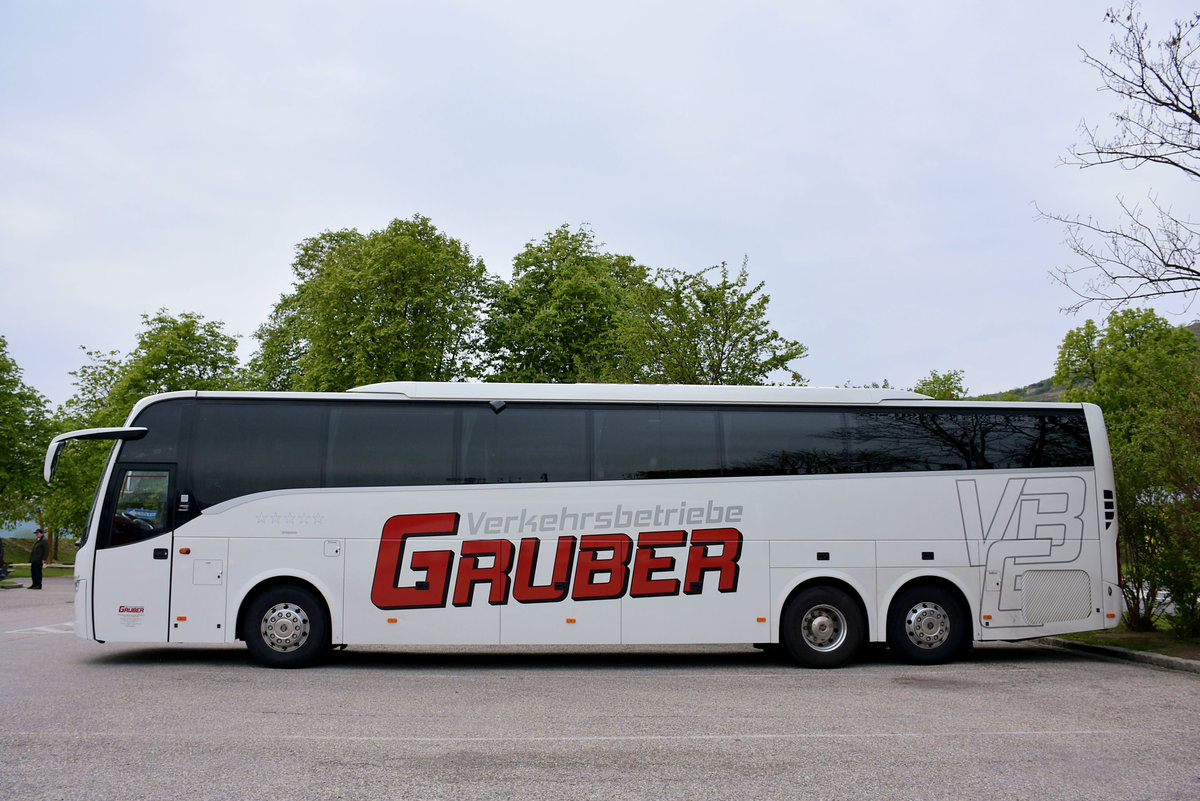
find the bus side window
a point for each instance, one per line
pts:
(240, 448)
(655, 442)
(142, 506)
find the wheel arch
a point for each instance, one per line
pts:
(266, 583)
(843, 583)
(941, 580)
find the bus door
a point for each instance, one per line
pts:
(131, 580)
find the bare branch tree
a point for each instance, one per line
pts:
(1148, 253)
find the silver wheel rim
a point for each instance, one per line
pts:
(284, 627)
(824, 628)
(927, 625)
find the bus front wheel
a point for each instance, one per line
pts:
(822, 627)
(286, 627)
(926, 625)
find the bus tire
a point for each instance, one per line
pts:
(822, 627)
(286, 627)
(926, 625)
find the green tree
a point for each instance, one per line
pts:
(942, 386)
(172, 353)
(404, 303)
(275, 366)
(559, 318)
(684, 328)
(1141, 371)
(1180, 464)
(23, 430)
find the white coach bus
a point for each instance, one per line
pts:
(423, 513)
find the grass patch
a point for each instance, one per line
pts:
(1158, 642)
(17, 550)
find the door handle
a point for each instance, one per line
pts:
(161, 553)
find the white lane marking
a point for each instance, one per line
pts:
(53, 628)
(699, 737)
(1027, 733)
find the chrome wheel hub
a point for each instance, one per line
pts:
(284, 627)
(927, 625)
(824, 628)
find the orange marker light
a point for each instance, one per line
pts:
(1111, 615)
(570, 620)
(181, 617)
(185, 550)
(987, 617)
(762, 620)
(393, 620)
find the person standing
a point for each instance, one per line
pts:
(37, 555)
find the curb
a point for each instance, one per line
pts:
(1145, 657)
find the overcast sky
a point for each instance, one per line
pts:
(876, 163)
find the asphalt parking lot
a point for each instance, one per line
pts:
(85, 721)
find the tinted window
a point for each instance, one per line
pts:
(1037, 440)
(390, 444)
(902, 440)
(161, 443)
(524, 443)
(781, 442)
(649, 442)
(242, 447)
(245, 447)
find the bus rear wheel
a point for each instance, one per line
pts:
(926, 625)
(822, 627)
(286, 627)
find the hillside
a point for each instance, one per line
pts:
(1041, 391)
(1045, 390)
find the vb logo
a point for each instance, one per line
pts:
(1033, 522)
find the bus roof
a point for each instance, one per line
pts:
(611, 393)
(679, 393)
